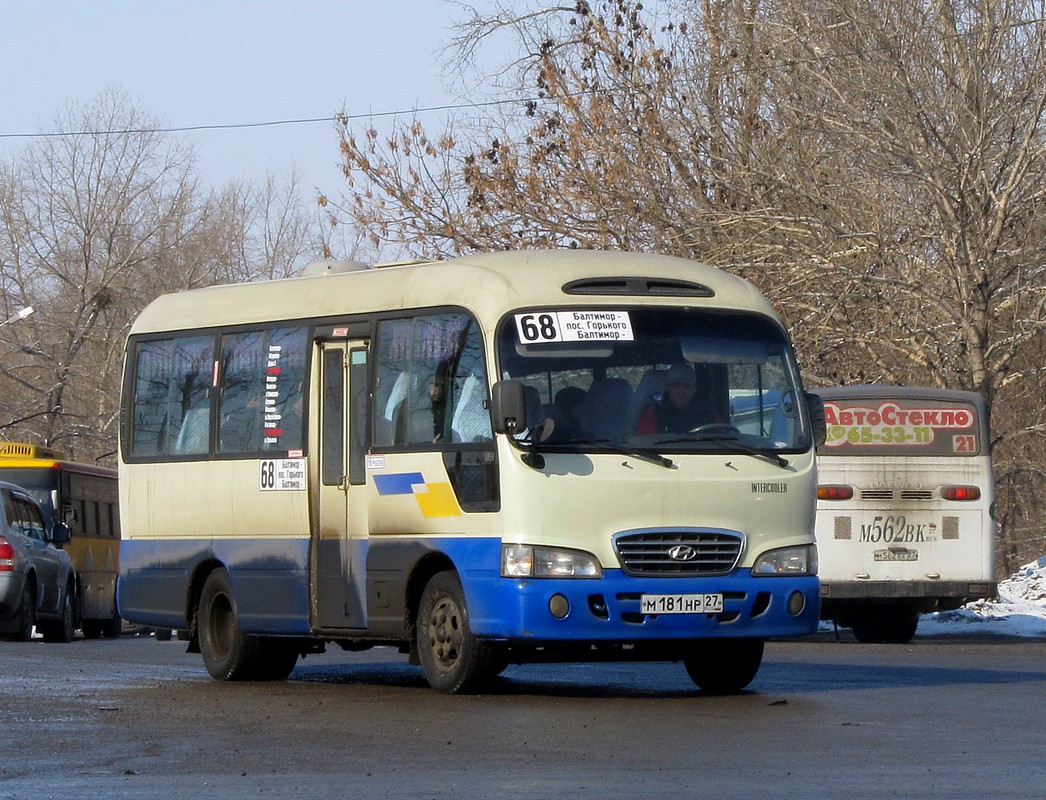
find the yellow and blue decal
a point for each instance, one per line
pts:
(434, 499)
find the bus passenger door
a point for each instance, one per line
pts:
(339, 542)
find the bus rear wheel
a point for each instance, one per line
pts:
(724, 666)
(230, 654)
(886, 625)
(453, 659)
(226, 649)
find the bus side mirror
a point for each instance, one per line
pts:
(815, 406)
(60, 533)
(508, 407)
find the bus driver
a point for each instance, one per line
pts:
(677, 411)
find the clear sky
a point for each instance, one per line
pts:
(225, 62)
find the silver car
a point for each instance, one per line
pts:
(37, 581)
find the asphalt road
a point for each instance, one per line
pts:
(137, 718)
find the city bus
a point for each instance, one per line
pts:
(85, 498)
(391, 456)
(905, 514)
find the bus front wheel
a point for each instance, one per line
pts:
(724, 666)
(452, 658)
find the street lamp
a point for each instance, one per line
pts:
(25, 312)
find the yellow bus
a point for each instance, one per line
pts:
(496, 459)
(85, 497)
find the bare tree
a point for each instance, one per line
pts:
(97, 219)
(268, 233)
(89, 208)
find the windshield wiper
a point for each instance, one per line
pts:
(735, 446)
(607, 446)
(580, 445)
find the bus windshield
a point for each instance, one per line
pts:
(671, 379)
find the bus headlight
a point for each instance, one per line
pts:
(530, 561)
(798, 560)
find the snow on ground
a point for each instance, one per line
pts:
(1020, 609)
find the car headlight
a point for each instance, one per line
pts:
(531, 561)
(789, 561)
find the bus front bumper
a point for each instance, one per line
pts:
(609, 608)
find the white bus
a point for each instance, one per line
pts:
(472, 461)
(905, 515)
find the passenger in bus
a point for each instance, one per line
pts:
(438, 398)
(566, 414)
(678, 409)
(421, 418)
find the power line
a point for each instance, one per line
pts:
(271, 123)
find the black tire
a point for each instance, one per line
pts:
(92, 628)
(453, 659)
(26, 616)
(886, 625)
(275, 659)
(898, 625)
(162, 634)
(724, 666)
(867, 628)
(62, 630)
(228, 653)
(112, 627)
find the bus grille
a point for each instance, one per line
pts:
(889, 494)
(916, 494)
(682, 553)
(877, 494)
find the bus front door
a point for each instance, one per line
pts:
(339, 541)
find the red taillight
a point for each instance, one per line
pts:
(7, 556)
(835, 492)
(960, 492)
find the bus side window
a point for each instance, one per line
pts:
(431, 382)
(172, 379)
(262, 374)
(332, 419)
(357, 415)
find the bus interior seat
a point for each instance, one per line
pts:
(605, 408)
(194, 435)
(386, 423)
(471, 419)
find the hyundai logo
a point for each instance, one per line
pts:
(683, 552)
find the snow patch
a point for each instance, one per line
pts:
(1020, 609)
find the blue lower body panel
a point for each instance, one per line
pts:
(271, 585)
(269, 579)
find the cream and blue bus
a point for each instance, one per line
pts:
(905, 519)
(491, 460)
